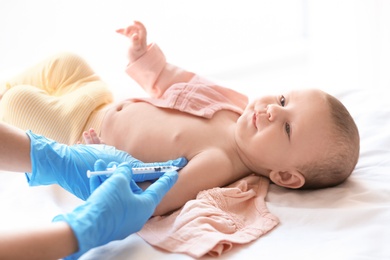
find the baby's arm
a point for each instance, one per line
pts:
(137, 36)
(147, 64)
(201, 173)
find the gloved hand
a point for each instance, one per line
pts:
(55, 163)
(114, 211)
(97, 180)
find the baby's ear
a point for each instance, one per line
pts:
(292, 179)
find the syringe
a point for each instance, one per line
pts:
(137, 170)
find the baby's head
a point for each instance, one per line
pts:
(341, 154)
(304, 139)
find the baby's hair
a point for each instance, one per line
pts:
(342, 154)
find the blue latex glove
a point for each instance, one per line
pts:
(114, 211)
(55, 163)
(96, 181)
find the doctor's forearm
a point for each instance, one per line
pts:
(14, 149)
(54, 241)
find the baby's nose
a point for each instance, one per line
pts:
(273, 112)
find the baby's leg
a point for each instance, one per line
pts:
(2, 91)
(56, 75)
(60, 118)
(55, 98)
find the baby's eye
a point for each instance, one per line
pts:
(282, 101)
(288, 129)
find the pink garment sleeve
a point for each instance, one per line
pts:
(152, 72)
(147, 69)
(215, 221)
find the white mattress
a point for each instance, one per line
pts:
(350, 221)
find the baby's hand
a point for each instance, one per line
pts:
(137, 35)
(90, 137)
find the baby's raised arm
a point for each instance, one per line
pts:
(136, 33)
(147, 63)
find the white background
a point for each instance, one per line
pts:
(330, 44)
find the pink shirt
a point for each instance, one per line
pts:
(198, 96)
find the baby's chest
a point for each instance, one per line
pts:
(179, 134)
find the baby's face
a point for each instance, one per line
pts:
(283, 131)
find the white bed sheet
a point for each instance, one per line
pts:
(347, 222)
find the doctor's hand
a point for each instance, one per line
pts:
(55, 163)
(114, 211)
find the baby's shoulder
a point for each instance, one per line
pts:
(216, 158)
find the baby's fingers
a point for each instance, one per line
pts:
(91, 137)
(121, 31)
(136, 28)
(128, 31)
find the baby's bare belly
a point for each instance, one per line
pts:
(154, 134)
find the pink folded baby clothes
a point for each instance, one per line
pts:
(215, 221)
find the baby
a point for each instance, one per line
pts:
(304, 139)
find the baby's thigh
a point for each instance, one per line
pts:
(58, 118)
(57, 75)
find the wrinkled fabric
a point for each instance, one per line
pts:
(216, 221)
(198, 97)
